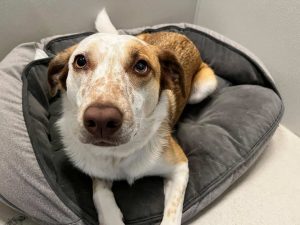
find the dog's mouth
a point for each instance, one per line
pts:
(102, 142)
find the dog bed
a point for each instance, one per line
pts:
(222, 136)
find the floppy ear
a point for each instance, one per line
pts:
(58, 71)
(171, 72)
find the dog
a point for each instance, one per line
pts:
(122, 96)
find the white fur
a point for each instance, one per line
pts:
(201, 90)
(103, 23)
(105, 203)
(174, 187)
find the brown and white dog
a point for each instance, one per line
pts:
(122, 96)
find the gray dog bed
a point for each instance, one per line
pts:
(222, 136)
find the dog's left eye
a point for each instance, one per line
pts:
(80, 61)
(141, 67)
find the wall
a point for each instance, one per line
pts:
(31, 20)
(270, 29)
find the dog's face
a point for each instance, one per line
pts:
(113, 88)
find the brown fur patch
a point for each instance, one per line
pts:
(205, 74)
(187, 56)
(58, 71)
(136, 51)
(174, 153)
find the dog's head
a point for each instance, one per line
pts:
(114, 90)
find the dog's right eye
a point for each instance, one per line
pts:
(80, 61)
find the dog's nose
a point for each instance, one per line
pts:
(102, 120)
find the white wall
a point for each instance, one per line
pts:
(270, 29)
(31, 20)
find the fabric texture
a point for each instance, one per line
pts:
(23, 185)
(222, 137)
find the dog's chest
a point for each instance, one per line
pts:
(129, 168)
(111, 167)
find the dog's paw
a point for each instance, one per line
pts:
(115, 217)
(112, 217)
(111, 221)
(174, 219)
(170, 223)
(114, 223)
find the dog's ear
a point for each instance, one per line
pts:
(171, 72)
(58, 71)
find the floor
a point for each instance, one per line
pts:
(268, 194)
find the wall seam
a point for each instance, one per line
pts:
(196, 12)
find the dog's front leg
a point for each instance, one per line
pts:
(174, 188)
(105, 203)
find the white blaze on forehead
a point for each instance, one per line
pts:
(111, 50)
(105, 41)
